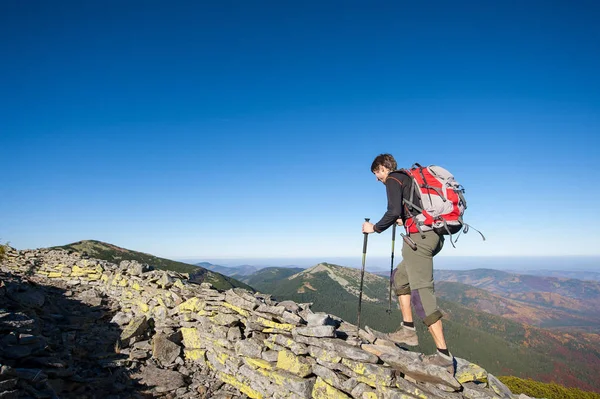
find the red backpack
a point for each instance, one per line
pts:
(439, 203)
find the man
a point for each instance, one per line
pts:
(413, 278)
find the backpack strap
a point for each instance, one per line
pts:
(466, 230)
(468, 226)
(411, 201)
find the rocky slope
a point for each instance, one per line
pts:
(115, 254)
(84, 328)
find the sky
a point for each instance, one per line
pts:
(246, 130)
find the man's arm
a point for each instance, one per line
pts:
(393, 188)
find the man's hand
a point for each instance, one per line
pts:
(399, 222)
(367, 227)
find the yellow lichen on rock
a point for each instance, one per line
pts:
(178, 284)
(286, 360)
(280, 378)
(471, 372)
(143, 307)
(77, 271)
(272, 324)
(357, 367)
(231, 380)
(195, 354)
(206, 313)
(194, 304)
(191, 338)
(370, 374)
(241, 311)
(322, 390)
(258, 363)
(222, 357)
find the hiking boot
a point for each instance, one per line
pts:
(404, 335)
(440, 360)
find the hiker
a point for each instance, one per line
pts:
(413, 277)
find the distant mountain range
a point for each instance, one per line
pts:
(115, 254)
(242, 270)
(577, 274)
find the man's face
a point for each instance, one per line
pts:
(382, 174)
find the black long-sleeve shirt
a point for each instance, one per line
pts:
(397, 186)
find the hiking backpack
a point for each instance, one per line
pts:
(437, 201)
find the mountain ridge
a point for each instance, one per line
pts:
(116, 254)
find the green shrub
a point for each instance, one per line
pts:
(3, 251)
(538, 389)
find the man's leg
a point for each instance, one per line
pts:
(419, 269)
(437, 332)
(420, 275)
(406, 333)
(404, 301)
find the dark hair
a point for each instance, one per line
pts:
(386, 160)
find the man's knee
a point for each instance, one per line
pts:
(400, 281)
(425, 305)
(432, 318)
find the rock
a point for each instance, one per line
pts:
(412, 366)
(121, 318)
(320, 319)
(318, 331)
(163, 380)
(498, 387)
(90, 297)
(164, 350)
(135, 328)
(249, 348)
(27, 296)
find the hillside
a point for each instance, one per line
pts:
(483, 337)
(519, 285)
(115, 254)
(549, 302)
(237, 271)
(263, 279)
(561, 312)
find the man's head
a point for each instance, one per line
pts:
(383, 165)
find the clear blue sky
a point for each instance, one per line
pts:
(247, 128)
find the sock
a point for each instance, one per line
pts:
(410, 324)
(444, 351)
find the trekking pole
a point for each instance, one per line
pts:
(389, 311)
(362, 273)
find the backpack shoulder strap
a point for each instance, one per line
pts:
(414, 201)
(406, 172)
